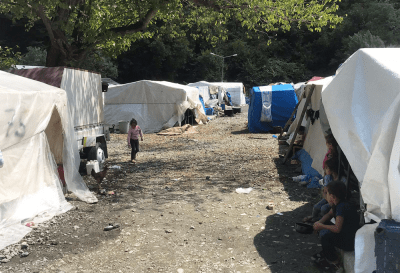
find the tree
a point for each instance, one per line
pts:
(8, 58)
(34, 56)
(78, 27)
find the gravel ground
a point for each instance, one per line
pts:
(179, 211)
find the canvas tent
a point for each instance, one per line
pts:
(235, 89)
(362, 104)
(314, 144)
(270, 106)
(154, 104)
(36, 134)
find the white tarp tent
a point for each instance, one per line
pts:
(155, 105)
(235, 89)
(362, 104)
(315, 140)
(36, 134)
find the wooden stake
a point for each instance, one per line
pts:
(299, 123)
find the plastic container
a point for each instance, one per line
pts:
(92, 164)
(387, 246)
(223, 106)
(123, 127)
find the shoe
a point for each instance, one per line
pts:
(133, 161)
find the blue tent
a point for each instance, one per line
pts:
(279, 102)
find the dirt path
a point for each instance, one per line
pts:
(179, 210)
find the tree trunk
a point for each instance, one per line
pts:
(55, 56)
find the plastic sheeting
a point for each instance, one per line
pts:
(363, 107)
(266, 97)
(362, 104)
(236, 89)
(315, 144)
(85, 100)
(284, 101)
(155, 105)
(36, 133)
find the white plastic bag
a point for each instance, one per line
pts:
(243, 190)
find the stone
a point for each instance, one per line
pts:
(25, 254)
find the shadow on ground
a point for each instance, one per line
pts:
(276, 242)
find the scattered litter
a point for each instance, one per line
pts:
(243, 190)
(111, 226)
(270, 205)
(243, 214)
(30, 224)
(168, 231)
(279, 213)
(110, 192)
(274, 136)
(24, 254)
(176, 179)
(115, 167)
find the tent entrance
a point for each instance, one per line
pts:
(189, 118)
(54, 133)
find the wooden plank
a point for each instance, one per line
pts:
(299, 123)
(288, 122)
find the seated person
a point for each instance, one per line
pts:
(323, 207)
(342, 233)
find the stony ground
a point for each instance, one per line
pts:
(179, 211)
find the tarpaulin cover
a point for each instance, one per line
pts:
(234, 88)
(85, 100)
(36, 134)
(284, 101)
(306, 162)
(315, 144)
(155, 105)
(362, 104)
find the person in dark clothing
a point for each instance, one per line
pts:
(342, 233)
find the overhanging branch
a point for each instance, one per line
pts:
(139, 26)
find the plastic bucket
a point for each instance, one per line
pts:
(123, 127)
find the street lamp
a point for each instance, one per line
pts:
(222, 77)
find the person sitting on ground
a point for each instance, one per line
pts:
(332, 146)
(323, 207)
(342, 233)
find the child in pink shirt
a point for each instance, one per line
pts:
(133, 139)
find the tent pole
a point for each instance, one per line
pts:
(287, 123)
(299, 123)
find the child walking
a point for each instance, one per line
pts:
(133, 139)
(342, 233)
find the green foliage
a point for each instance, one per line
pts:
(362, 39)
(77, 26)
(8, 58)
(34, 56)
(97, 62)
